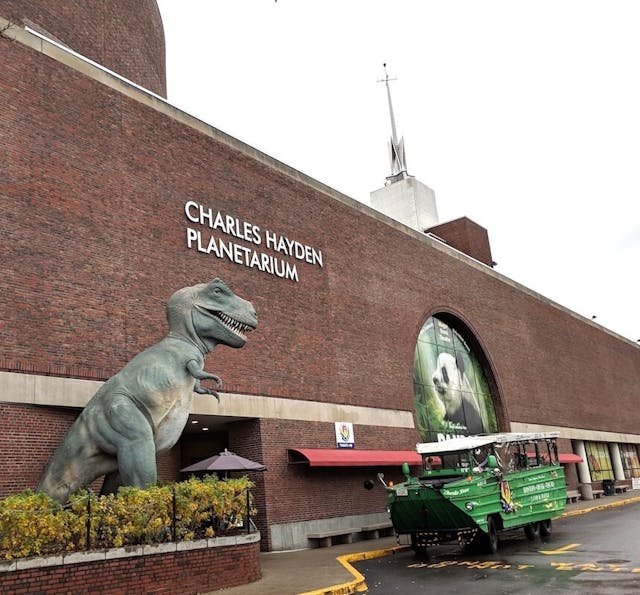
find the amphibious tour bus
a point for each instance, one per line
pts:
(472, 487)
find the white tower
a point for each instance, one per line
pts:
(402, 197)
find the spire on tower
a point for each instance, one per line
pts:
(396, 149)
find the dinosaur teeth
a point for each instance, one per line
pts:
(235, 326)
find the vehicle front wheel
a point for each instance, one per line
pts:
(545, 528)
(491, 539)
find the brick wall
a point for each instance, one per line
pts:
(467, 236)
(298, 492)
(126, 36)
(185, 572)
(28, 437)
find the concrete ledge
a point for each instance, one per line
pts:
(82, 557)
(198, 544)
(223, 541)
(243, 538)
(577, 433)
(8, 565)
(36, 389)
(324, 538)
(160, 548)
(123, 552)
(39, 562)
(374, 531)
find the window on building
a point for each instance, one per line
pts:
(599, 460)
(630, 460)
(452, 395)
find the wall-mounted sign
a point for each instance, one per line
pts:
(344, 435)
(277, 254)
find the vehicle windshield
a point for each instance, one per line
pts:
(524, 455)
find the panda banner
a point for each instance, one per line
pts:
(452, 396)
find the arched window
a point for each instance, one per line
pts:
(452, 395)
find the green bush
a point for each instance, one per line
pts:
(34, 524)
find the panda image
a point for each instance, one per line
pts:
(456, 393)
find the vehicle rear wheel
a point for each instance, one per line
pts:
(491, 539)
(545, 528)
(532, 530)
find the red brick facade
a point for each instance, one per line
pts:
(93, 240)
(183, 572)
(126, 36)
(467, 236)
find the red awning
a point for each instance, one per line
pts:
(569, 457)
(353, 457)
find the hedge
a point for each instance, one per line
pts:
(31, 523)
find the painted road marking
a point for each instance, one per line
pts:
(562, 566)
(561, 550)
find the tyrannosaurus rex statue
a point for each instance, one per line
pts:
(143, 409)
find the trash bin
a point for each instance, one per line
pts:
(609, 487)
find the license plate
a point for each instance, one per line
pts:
(402, 492)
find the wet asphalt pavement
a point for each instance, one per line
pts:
(597, 553)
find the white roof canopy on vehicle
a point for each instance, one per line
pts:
(470, 442)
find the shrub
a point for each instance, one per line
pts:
(34, 524)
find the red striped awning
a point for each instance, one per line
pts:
(353, 457)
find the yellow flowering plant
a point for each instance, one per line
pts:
(34, 524)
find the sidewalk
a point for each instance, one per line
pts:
(319, 571)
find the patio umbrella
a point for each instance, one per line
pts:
(225, 461)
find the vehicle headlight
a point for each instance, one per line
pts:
(469, 505)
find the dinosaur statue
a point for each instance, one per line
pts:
(143, 409)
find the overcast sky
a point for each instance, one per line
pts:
(521, 115)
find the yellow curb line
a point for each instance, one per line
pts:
(600, 507)
(358, 585)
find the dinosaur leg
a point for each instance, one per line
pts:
(75, 464)
(128, 431)
(137, 463)
(112, 481)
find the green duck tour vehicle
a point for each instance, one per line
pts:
(472, 487)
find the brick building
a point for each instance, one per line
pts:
(109, 196)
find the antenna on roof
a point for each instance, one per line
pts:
(396, 149)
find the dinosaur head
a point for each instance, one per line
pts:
(209, 314)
